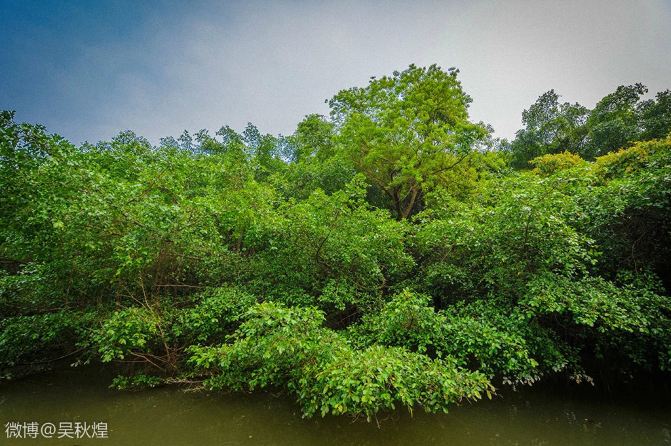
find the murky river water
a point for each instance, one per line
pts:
(168, 416)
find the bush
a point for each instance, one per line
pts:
(39, 339)
(551, 163)
(288, 348)
(127, 331)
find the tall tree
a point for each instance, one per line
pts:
(405, 131)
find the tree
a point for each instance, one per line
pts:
(405, 131)
(614, 122)
(313, 138)
(313, 161)
(549, 128)
(656, 116)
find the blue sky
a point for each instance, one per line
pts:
(89, 69)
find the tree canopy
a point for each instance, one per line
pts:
(405, 132)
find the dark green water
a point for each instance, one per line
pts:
(168, 416)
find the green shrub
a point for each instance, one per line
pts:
(40, 338)
(551, 163)
(288, 348)
(125, 332)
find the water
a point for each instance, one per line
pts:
(168, 416)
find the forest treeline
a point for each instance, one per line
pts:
(391, 254)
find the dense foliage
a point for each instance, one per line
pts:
(390, 255)
(617, 121)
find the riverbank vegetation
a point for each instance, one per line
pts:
(392, 254)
